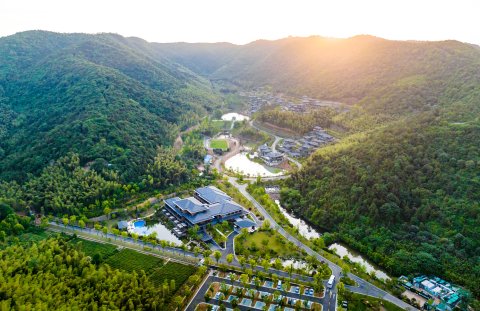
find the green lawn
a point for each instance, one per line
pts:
(366, 303)
(130, 260)
(172, 270)
(261, 243)
(219, 144)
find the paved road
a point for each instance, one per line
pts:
(363, 287)
(115, 239)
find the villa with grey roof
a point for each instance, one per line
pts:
(209, 205)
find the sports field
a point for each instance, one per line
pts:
(219, 144)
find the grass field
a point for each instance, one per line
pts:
(91, 248)
(270, 242)
(219, 144)
(172, 270)
(367, 303)
(130, 260)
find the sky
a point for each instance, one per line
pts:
(243, 21)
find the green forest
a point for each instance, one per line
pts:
(88, 122)
(406, 195)
(298, 122)
(98, 96)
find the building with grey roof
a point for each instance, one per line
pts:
(209, 205)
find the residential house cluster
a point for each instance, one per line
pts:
(307, 144)
(270, 157)
(260, 98)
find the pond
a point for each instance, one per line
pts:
(240, 163)
(304, 229)
(140, 227)
(342, 251)
(309, 232)
(234, 116)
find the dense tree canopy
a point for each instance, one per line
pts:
(52, 275)
(407, 196)
(300, 123)
(111, 100)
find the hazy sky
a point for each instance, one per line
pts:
(242, 21)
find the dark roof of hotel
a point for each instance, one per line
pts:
(245, 223)
(212, 194)
(221, 204)
(192, 205)
(214, 210)
(172, 201)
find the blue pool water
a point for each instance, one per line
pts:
(139, 223)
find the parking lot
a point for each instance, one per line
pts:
(232, 293)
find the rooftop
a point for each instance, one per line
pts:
(212, 194)
(191, 205)
(245, 223)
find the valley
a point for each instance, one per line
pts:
(157, 161)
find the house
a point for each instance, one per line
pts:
(208, 159)
(122, 225)
(209, 205)
(271, 158)
(248, 224)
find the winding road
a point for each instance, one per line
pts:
(364, 287)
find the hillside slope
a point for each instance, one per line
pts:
(383, 76)
(403, 189)
(102, 96)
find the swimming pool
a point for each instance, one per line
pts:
(140, 223)
(140, 227)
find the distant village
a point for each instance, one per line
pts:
(307, 144)
(260, 98)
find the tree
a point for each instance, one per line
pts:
(81, 223)
(107, 211)
(65, 221)
(244, 280)
(265, 225)
(207, 253)
(217, 255)
(234, 302)
(196, 251)
(242, 261)
(229, 258)
(193, 232)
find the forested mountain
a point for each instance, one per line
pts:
(387, 77)
(404, 187)
(102, 96)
